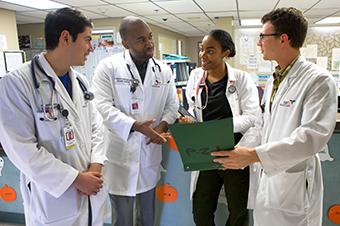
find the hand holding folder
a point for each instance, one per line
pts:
(196, 141)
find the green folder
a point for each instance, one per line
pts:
(196, 141)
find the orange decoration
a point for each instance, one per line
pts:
(166, 193)
(172, 143)
(334, 214)
(7, 193)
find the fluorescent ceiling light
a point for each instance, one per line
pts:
(102, 32)
(250, 22)
(329, 20)
(41, 4)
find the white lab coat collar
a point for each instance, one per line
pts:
(232, 80)
(231, 73)
(292, 72)
(59, 87)
(286, 83)
(134, 70)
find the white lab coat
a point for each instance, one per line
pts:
(301, 122)
(37, 147)
(244, 104)
(132, 166)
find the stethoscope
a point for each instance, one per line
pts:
(202, 84)
(48, 109)
(134, 83)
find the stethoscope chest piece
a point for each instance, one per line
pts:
(134, 84)
(231, 89)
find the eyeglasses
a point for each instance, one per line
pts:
(261, 36)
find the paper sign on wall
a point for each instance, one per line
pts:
(336, 59)
(311, 51)
(3, 42)
(322, 62)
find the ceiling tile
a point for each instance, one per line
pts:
(255, 14)
(35, 13)
(193, 16)
(92, 14)
(143, 8)
(179, 6)
(302, 5)
(165, 18)
(125, 1)
(9, 6)
(222, 14)
(328, 4)
(314, 12)
(262, 5)
(203, 24)
(107, 10)
(81, 2)
(217, 5)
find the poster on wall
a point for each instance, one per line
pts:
(311, 51)
(247, 48)
(24, 42)
(252, 61)
(322, 62)
(39, 43)
(265, 66)
(336, 59)
(3, 42)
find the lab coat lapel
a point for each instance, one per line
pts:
(285, 84)
(150, 75)
(65, 98)
(198, 110)
(134, 70)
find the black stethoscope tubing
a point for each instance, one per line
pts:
(87, 94)
(135, 82)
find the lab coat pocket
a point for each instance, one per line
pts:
(287, 192)
(120, 151)
(49, 209)
(122, 97)
(48, 130)
(151, 155)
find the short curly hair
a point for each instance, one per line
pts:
(290, 21)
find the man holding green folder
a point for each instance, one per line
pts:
(299, 118)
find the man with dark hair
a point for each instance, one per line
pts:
(51, 130)
(299, 118)
(136, 97)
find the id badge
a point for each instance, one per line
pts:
(134, 106)
(69, 137)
